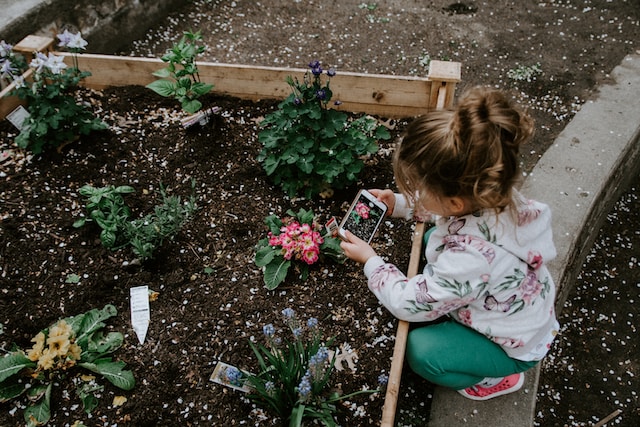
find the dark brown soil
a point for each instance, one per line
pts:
(211, 297)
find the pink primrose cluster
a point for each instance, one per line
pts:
(362, 210)
(299, 242)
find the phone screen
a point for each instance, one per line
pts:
(364, 216)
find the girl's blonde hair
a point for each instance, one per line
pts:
(470, 151)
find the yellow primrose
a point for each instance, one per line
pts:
(46, 360)
(75, 351)
(36, 350)
(62, 328)
(59, 345)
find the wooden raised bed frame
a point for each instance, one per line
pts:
(381, 95)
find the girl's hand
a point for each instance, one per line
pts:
(356, 249)
(387, 197)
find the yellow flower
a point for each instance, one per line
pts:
(62, 328)
(59, 345)
(75, 351)
(46, 359)
(36, 350)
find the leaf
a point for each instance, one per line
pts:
(264, 256)
(162, 87)
(39, 413)
(112, 372)
(85, 324)
(163, 73)
(13, 363)
(11, 388)
(275, 273)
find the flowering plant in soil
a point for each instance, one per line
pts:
(296, 238)
(308, 146)
(77, 341)
(56, 117)
(294, 374)
(185, 85)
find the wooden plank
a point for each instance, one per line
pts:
(395, 373)
(385, 95)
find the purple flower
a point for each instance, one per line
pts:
(331, 72)
(288, 313)
(268, 330)
(297, 101)
(312, 322)
(314, 64)
(321, 95)
(337, 103)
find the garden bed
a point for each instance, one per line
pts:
(211, 300)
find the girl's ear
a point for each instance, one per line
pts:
(458, 205)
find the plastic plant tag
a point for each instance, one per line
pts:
(18, 116)
(230, 376)
(140, 312)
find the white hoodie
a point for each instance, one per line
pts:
(487, 272)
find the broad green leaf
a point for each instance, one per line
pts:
(124, 189)
(13, 363)
(163, 73)
(112, 372)
(264, 256)
(162, 87)
(11, 388)
(191, 105)
(85, 324)
(275, 273)
(39, 413)
(104, 344)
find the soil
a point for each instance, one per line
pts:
(211, 296)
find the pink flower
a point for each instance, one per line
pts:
(362, 210)
(310, 256)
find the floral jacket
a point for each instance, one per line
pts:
(486, 271)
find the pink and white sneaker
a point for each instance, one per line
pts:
(507, 385)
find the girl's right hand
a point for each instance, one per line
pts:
(387, 197)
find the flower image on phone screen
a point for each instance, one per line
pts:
(364, 216)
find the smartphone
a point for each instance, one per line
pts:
(363, 217)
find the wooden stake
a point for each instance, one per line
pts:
(395, 374)
(608, 418)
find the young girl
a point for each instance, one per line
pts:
(485, 275)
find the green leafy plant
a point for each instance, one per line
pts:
(307, 146)
(294, 375)
(106, 207)
(70, 343)
(294, 240)
(526, 73)
(56, 117)
(184, 84)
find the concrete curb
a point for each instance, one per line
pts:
(581, 176)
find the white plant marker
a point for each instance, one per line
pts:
(140, 311)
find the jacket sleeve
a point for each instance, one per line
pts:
(433, 293)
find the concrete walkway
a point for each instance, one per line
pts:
(581, 176)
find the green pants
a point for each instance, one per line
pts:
(455, 356)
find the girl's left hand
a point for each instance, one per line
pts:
(357, 249)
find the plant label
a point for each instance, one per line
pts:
(18, 116)
(231, 377)
(140, 311)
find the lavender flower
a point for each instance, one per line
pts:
(72, 41)
(383, 379)
(331, 72)
(297, 101)
(297, 332)
(304, 388)
(268, 330)
(288, 313)
(312, 322)
(321, 94)
(5, 49)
